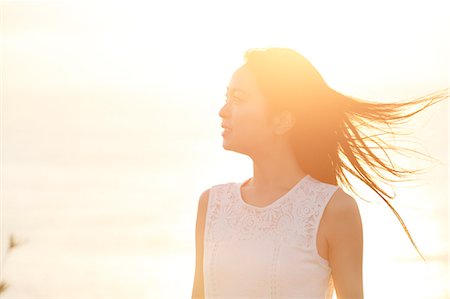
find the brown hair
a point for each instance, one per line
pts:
(331, 128)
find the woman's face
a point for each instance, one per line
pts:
(243, 113)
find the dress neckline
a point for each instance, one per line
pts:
(277, 201)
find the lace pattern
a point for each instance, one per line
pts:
(294, 221)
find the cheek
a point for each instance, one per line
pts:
(252, 124)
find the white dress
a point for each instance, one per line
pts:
(266, 252)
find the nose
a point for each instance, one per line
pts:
(224, 111)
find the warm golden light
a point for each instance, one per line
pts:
(110, 131)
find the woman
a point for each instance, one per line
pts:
(290, 231)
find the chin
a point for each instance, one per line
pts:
(231, 148)
(227, 145)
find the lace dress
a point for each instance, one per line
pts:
(266, 252)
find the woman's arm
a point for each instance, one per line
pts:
(345, 245)
(198, 288)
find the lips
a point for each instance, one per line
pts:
(226, 127)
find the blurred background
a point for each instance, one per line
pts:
(110, 132)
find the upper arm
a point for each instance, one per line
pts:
(198, 288)
(345, 245)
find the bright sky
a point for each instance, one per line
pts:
(379, 49)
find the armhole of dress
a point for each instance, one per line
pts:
(329, 194)
(330, 290)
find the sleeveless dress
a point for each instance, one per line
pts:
(266, 252)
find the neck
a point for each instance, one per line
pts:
(275, 168)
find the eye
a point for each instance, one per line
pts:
(233, 98)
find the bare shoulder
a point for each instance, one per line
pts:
(344, 237)
(203, 200)
(198, 287)
(342, 217)
(342, 204)
(203, 205)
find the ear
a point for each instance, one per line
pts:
(283, 122)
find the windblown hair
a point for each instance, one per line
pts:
(333, 132)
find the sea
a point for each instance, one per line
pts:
(100, 187)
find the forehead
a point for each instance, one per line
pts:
(244, 80)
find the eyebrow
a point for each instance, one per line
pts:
(236, 89)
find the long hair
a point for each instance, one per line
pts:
(334, 133)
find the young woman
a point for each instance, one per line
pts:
(290, 231)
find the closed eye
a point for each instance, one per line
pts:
(232, 98)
